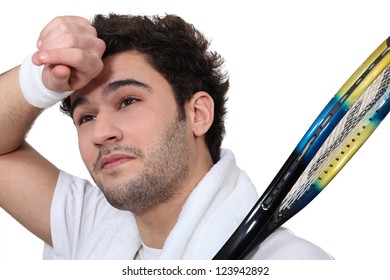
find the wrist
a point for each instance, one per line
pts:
(33, 89)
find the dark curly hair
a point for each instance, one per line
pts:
(177, 51)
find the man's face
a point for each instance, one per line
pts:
(130, 138)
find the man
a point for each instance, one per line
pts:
(148, 102)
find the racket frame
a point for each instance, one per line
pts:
(251, 231)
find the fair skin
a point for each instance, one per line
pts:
(70, 49)
(138, 108)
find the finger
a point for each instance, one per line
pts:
(59, 25)
(82, 65)
(91, 44)
(78, 59)
(57, 78)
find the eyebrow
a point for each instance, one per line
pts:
(113, 86)
(109, 89)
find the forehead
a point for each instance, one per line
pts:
(123, 66)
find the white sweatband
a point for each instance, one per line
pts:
(34, 91)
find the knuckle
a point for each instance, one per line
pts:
(92, 30)
(79, 57)
(59, 19)
(101, 46)
(71, 40)
(99, 66)
(84, 21)
(63, 26)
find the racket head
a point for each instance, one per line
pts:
(346, 139)
(270, 211)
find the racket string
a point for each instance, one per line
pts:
(360, 113)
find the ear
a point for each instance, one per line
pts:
(201, 112)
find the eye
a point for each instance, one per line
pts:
(127, 101)
(85, 118)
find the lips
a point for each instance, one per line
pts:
(113, 160)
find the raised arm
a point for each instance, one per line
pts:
(71, 55)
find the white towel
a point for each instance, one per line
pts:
(85, 226)
(212, 212)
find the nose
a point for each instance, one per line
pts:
(106, 131)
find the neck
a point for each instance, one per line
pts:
(155, 224)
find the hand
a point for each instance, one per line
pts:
(71, 52)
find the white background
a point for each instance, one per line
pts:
(286, 59)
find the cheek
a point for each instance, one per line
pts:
(86, 151)
(145, 128)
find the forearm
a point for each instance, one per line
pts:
(16, 115)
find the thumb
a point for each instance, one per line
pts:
(57, 77)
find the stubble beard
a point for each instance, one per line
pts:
(165, 167)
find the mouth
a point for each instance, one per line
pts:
(113, 161)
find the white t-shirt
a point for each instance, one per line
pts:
(147, 253)
(85, 226)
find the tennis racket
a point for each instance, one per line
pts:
(335, 136)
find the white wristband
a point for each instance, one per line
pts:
(34, 91)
